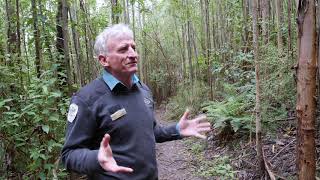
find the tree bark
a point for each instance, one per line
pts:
(125, 11)
(245, 10)
(290, 53)
(260, 167)
(46, 34)
(36, 34)
(279, 25)
(133, 19)
(208, 46)
(76, 42)
(11, 32)
(62, 45)
(114, 12)
(306, 90)
(265, 7)
(189, 51)
(19, 43)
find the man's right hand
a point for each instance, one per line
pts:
(106, 160)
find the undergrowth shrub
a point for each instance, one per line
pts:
(220, 167)
(188, 96)
(236, 110)
(32, 128)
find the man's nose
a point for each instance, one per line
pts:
(132, 53)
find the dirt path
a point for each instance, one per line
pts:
(174, 160)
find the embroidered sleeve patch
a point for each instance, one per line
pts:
(72, 113)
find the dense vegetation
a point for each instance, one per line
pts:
(198, 54)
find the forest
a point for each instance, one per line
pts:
(249, 65)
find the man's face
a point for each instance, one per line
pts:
(122, 58)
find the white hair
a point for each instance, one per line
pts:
(114, 31)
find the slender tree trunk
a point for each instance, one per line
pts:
(77, 46)
(141, 48)
(182, 55)
(202, 28)
(115, 11)
(19, 43)
(46, 34)
(36, 34)
(87, 43)
(184, 68)
(62, 45)
(279, 25)
(133, 18)
(125, 11)
(11, 32)
(26, 55)
(265, 7)
(195, 49)
(290, 53)
(208, 46)
(306, 90)
(65, 33)
(260, 167)
(189, 51)
(245, 29)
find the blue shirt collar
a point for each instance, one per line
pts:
(112, 81)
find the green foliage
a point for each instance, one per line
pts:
(277, 83)
(188, 96)
(236, 109)
(219, 167)
(31, 127)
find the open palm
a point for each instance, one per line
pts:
(105, 157)
(194, 127)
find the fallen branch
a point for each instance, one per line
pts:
(271, 174)
(282, 149)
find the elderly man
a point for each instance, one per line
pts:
(111, 131)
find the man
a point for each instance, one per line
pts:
(111, 131)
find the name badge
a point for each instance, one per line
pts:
(118, 114)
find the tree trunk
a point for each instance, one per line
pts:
(265, 7)
(87, 43)
(11, 32)
(46, 34)
(77, 46)
(290, 53)
(189, 51)
(279, 25)
(65, 33)
(306, 90)
(19, 43)
(36, 34)
(125, 11)
(202, 28)
(208, 46)
(260, 167)
(184, 67)
(245, 10)
(114, 12)
(62, 45)
(181, 49)
(133, 19)
(195, 49)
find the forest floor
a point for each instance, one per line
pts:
(176, 160)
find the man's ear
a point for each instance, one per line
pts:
(103, 60)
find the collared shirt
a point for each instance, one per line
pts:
(112, 81)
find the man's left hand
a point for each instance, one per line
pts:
(194, 127)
